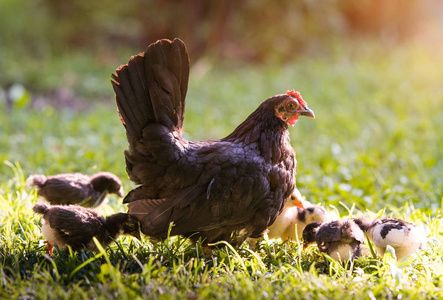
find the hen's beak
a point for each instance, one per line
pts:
(121, 193)
(307, 112)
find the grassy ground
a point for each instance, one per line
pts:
(375, 148)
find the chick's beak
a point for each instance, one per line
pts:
(299, 203)
(297, 198)
(307, 112)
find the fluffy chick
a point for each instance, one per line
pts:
(296, 214)
(76, 188)
(341, 239)
(404, 237)
(290, 223)
(75, 226)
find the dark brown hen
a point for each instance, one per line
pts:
(225, 189)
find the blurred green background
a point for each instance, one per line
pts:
(371, 70)
(48, 45)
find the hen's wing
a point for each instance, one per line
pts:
(229, 190)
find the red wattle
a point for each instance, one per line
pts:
(293, 121)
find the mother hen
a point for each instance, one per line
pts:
(227, 189)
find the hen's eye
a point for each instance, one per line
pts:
(291, 106)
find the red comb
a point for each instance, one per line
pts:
(297, 96)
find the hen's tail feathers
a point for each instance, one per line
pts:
(152, 87)
(36, 180)
(41, 208)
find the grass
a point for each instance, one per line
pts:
(375, 148)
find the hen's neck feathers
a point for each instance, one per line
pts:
(263, 128)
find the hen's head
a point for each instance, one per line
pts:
(291, 107)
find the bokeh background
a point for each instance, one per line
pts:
(67, 49)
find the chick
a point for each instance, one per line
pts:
(76, 188)
(296, 214)
(341, 239)
(404, 237)
(75, 226)
(293, 219)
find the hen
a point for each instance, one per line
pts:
(226, 189)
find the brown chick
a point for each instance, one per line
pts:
(76, 188)
(341, 239)
(75, 226)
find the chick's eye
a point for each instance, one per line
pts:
(291, 106)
